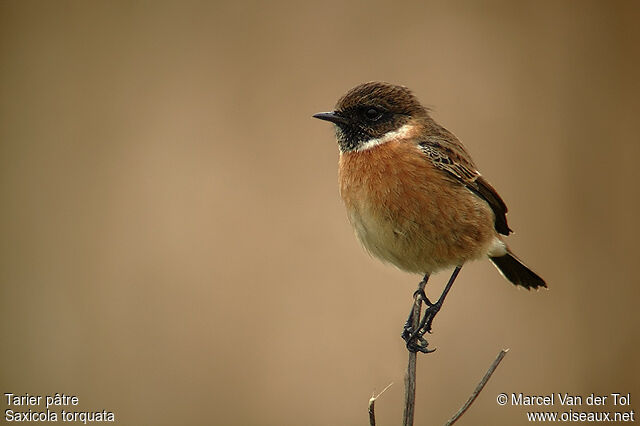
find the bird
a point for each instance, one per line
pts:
(412, 192)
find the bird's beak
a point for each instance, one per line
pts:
(332, 116)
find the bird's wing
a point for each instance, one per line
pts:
(450, 156)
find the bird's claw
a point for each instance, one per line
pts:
(415, 342)
(418, 344)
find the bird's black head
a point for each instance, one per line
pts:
(371, 110)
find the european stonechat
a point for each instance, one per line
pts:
(412, 192)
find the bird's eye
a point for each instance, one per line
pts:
(372, 114)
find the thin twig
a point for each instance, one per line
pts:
(372, 404)
(478, 388)
(410, 378)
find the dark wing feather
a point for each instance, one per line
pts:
(481, 187)
(448, 155)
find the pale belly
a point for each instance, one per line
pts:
(418, 247)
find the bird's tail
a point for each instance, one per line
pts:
(515, 271)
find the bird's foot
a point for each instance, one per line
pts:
(415, 342)
(411, 332)
(413, 337)
(429, 314)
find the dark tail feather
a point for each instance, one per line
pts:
(516, 272)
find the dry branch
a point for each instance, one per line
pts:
(372, 405)
(478, 388)
(410, 378)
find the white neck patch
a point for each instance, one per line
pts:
(401, 133)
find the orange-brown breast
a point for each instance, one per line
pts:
(407, 212)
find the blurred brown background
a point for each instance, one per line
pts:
(174, 248)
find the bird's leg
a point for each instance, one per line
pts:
(434, 308)
(412, 326)
(408, 326)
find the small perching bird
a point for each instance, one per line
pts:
(412, 192)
